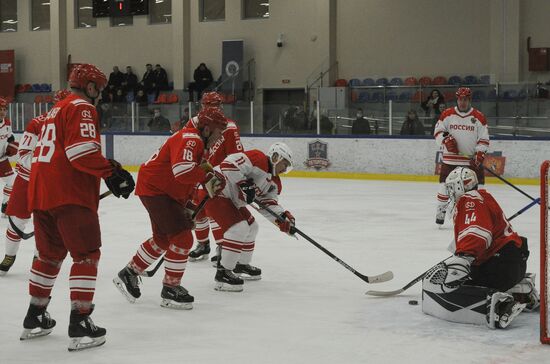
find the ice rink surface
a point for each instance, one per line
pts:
(306, 309)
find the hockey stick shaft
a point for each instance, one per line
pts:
(511, 185)
(420, 277)
(150, 273)
(369, 279)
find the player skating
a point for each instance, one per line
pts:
(249, 175)
(165, 186)
(8, 148)
(462, 133)
(67, 167)
(18, 210)
(485, 280)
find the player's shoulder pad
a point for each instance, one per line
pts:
(447, 112)
(258, 159)
(7, 122)
(231, 125)
(479, 116)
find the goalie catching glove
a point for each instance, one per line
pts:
(448, 275)
(287, 223)
(120, 182)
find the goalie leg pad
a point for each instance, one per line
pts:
(502, 310)
(526, 292)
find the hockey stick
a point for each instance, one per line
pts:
(420, 277)
(512, 185)
(23, 235)
(369, 279)
(150, 273)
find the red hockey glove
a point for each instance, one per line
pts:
(214, 183)
(248, 188)
(287, 226)
(477, 160)
(12, 148)
(450, 143)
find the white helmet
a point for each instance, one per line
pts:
(460, 181)
(283, 152)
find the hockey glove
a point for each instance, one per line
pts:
(448, 275)
(207, 167)
(477, 160)
(248, 188)
(450, 143)
(120, 182)
(12, 148)
(287, 225)
(214, 184)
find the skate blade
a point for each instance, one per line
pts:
(28, 334)
(122, 288)
(228, 287)
(247, 277)
(176, 305)
(198, 259)
(503, 323)
(76, 344)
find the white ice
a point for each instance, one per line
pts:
(306, 309)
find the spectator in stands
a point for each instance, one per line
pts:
(161, 78)
(360, 124)
(148, 80)
(115, 79)
(203, 79)
(412, 125)
(431, 104)
(119, 97)
(141, 98)
(130, 80)
(442, 108)
(158, 122)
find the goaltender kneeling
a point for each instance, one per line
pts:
(484, 282)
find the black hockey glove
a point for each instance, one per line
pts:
(121, 182)
(249, 190)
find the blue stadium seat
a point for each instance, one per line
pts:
(478, 96)
(470, 80)
(405, 96)
(354, 82)
(36, 87)
(454, 80)
(363, 97)
(510, 95)
(485, 79)
(396, 81)
(376, 96)
(383, 81)
(46, 87)
(491, 95)
(368, 82)
(391, 95)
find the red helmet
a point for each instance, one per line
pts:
(463, 92)
(212, 117)
(84, 73)
(61, 94)
(3, 102)
(211, 99)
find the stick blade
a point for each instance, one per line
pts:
(384, 277)
(384, 293)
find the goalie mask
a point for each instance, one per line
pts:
(277, 153)
(460, 181)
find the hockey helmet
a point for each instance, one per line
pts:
(211, 117)
(82, 74)
(463, 92)
(61, 94)
(212, 99)
(3, 102)
(460, 181)
(279, 151)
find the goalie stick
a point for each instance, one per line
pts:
(384, 277)
(420, 277)
(150, 273)
(23, 235)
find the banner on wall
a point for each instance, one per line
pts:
(7, 73)
(317, 155)
(232, 67)
(495, 161)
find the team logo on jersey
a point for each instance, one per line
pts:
(317, 155)
(473, 120)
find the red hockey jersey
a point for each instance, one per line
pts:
(27, 143)
(480, 227)
(174, 170)
(67, 163)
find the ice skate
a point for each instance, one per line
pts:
(37, 323)
(6, 264)
(440, 214)
(226, 280)
(83, 333)
(176, 297)
(248, 272)
(503, 310)
(216, 258)
(127, 281)
(200, 252)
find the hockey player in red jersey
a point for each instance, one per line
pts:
(229, 143)
(463, 134)
(165, 186)
(249, 175)
(67, 167)
(8, 148)
(481, 281)
(18, 211)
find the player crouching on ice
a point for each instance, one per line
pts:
(249, 175)
(484, 281)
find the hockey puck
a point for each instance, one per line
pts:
(413, 302)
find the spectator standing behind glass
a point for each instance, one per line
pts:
(203, 79)
(115, 79)
(412, 125)
(148, 80)
(431, 104)
(360, 124)
(141, 98)
(130, 80)
(158, 122)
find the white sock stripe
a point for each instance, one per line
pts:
(145, 257)
(141, 249)
(231, 250)
(176, 260)
(174, 270)
(44, 275)
(82, 283)
(93, 278)
(83, 290)
(33, 283)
